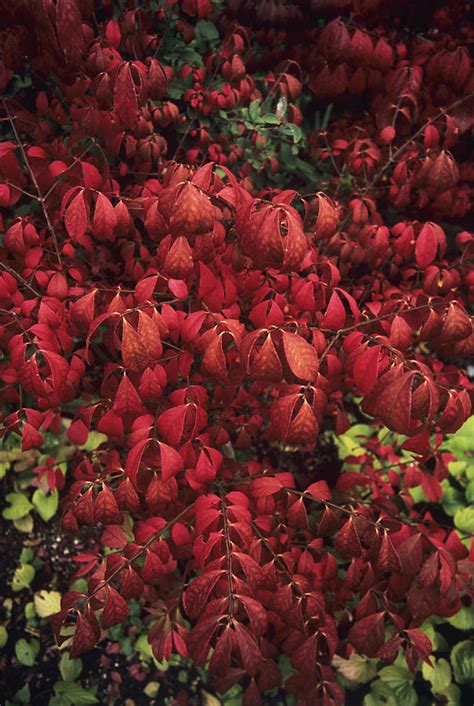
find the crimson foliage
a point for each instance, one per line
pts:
(165, 283)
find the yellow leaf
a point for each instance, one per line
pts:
(47, 603)
(209, 700)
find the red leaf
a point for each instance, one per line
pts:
(76, 218)
(132, 585)
(126, 496)
(104, 220)
(249, 650)
(115, 609)
(366, 369)
(335, 316)
(125, 97)
(106, 508)
(214, 360)
(426, 246)
(141, 347)
(347, 540)
(78, 432)
(221, 655)
(114, 536)
(391, 399)
(170, 424)
(197, 594)
(192, 211)
(171, 461)
(319, 490)
(86, 633)
(263, 487)
(127, 400)
(401, 335)
(179, 259)
(178, 287)
(421, 643)
(388, 559)
(69, 26)
(31, 438)
(456, 325)
(368, 634)
(262, 363)
(112, 33)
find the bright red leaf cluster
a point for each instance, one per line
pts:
(209, 315)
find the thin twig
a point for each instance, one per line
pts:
(21, 279)
(34, 180)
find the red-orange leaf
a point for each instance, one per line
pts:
(301, 357)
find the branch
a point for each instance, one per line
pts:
(34, 180)
(21, 279)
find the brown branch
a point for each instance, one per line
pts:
(228, 552)
(34, 180)
(21, 279)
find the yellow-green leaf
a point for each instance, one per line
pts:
(47, 603)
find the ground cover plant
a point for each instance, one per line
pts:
(235, 325)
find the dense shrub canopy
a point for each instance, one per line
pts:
(232, 231)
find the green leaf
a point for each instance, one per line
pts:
(23, 696)
(188, 55)
(59, 701)
(24, 524)
(348, 446)
(462, 441)
(19, 506)
(69, 668)
(22, 577)
(462, 661)
(452, 696)
(26, 555)
(94, 440)
(293, 130)
(452, 499)
(470, 492)
(27, 652)
(439, 675)
(46, 505)
(30, 612)
(47, 603)
(151, 689)
(175, 93)
(326, 116)
(399, 679)
(464, 519)
(271, 119)
(207, 30)
(380, 695)
(395, 675)
(254, 110)
(3, 636)
(457, 468)
(463, 619)
(75, 694)
(143, 647)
